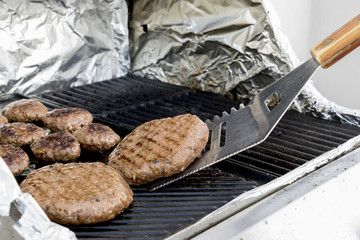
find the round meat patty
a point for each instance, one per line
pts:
(19, 134)
(24, 110)
(15, 158)
(96, 137)
(60, 146)
(3, 120)
(159, 148)
(78, 193)
(67, 119)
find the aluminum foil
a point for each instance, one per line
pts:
(20, 215)
(311, 101)
(207, 44)
(53, 44)
(231, 47)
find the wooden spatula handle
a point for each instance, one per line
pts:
(337, 45)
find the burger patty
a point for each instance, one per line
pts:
(60, 146)
(19, 134)
(67, 119)
(15, 158)
(24, 110)
(3, 120)
(96, 137)
(159, 148)
(78, 193)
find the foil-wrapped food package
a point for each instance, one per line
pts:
(20, 215)
(46, 45)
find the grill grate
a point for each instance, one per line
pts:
(128, 102)
(158, 214)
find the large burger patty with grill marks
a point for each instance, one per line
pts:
(159, 148)
(24, 110)
(78, 193)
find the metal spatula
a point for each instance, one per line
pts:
(252, 124)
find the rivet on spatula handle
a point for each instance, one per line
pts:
(338, 44)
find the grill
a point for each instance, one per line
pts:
(127, 102)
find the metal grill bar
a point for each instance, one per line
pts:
(170, 209)
(314, 131)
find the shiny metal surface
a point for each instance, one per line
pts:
(220, 46)
(321, 205)
(46, 45)
(250, 198)
(250, 125)
(208, 44)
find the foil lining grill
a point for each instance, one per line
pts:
(297, 139)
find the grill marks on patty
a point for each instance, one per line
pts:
(24, 110)
(78, 193)
(67, 119)
(159, 148)
(60, 146)
(96, 137)
(15, 158)
(19, 134)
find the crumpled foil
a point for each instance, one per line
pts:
(209, 45)
(311, 101)
(20, 215)
(231, 47)
(46, 45)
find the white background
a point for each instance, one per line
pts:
(307, 22)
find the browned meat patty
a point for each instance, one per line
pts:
(60, 146)
(24, 110)
(159, 148)
(67, 119)
(78, 193)
(15, 158)
(19, 134)
(3, 120)
(96, 137)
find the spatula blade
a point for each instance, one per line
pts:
(248, 126)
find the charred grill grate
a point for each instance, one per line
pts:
(128, 102)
